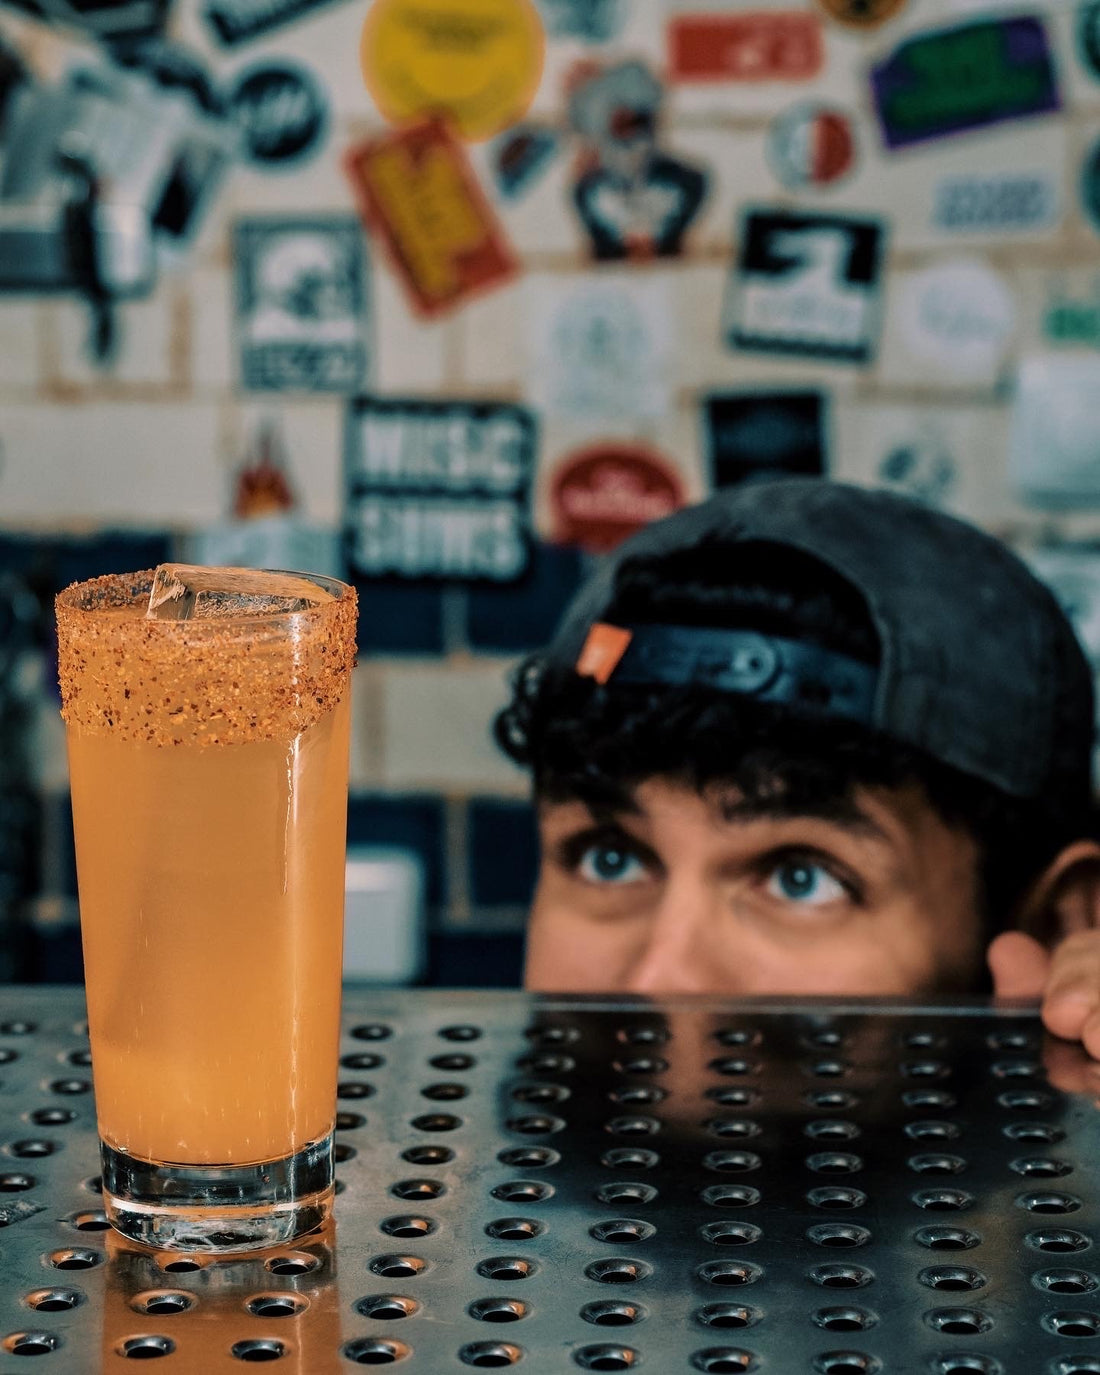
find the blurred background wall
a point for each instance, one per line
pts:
(450, 311)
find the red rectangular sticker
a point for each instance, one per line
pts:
(778, 45)
(418, 192)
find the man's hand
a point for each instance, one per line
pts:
(1066, 980)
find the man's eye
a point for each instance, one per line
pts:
(610, 864)
(801, 880)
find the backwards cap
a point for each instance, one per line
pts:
(979, 666)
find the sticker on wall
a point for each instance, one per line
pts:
(811, 145)
(111, 21)
(1090, 185)
(281, 110)
(438, 489)
(476, 63)
(958, 318)
(418, 192)
(861, 14)
(520, 157)
(1088, 36)
(634, 200)
(806, 284)
(601, 351)
(592, 21)
(1072, 572)
(760, 45)
(1054, 444)
(1072, 319)
(605, 491)
(301, 302)
(967, 77)
(1004, 202)
(921, 466)
(238, 21)
(754, 435)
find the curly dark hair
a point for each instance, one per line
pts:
(597, 743)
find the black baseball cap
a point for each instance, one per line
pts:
(978, 668)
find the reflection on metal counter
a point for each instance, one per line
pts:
(689, 1185)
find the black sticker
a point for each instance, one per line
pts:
(765, 434)
(281, 111)
(236, 21)
(438, 489)
(301, 303)
(806, 284)
(1088, 35)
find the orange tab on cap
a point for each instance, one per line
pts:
(604, 646)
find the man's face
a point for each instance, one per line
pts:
(682, 896)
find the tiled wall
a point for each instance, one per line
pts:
(147, 447)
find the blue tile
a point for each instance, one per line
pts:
(409, 823)
(523, 615)
(474, 960)
(399, 617)
(111, 551)
(503, 853)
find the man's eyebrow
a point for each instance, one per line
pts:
(839, 811)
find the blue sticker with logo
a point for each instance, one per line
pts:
(967, 77)
(282, 113)
(520, 156)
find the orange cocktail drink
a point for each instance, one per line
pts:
(208, 748)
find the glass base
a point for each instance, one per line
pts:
(218, 1207)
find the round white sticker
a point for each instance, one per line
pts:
(959, 317)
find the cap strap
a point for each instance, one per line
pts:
(745, 662)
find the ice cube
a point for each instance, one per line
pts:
(187, 592)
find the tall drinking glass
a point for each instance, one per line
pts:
(208, 756)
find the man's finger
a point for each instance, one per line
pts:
(1019, 965)
(1072, 997)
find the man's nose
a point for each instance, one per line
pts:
(678, 954)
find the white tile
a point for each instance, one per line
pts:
(20, 352)
(410, 355)
(212, 361)
(147, 464)
(147, 335)
(489, 343)
(315, 187)
(437, 725)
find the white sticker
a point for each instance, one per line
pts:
(959, 317)
(1002, 203)
(600, 351)
(1054, 450)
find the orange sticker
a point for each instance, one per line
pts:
(418, 192)
(477, 62)
(603, 648)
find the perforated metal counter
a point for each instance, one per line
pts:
(687, 1186)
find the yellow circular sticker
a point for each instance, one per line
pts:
(862, 14)
(478, 62)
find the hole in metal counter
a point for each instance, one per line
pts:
(506, 1268)
(726, 1360)
(522, 1191)
(54, 1300)
(604, 1357)
(489, 1354)
(146, 1348)
(376, 1351)
(1064, 1281)
(281, 1305)
(845, 1319)
(613, 1313)
(162, 1301)
(387, 1307)
(498, 1310)
(31, 1343)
